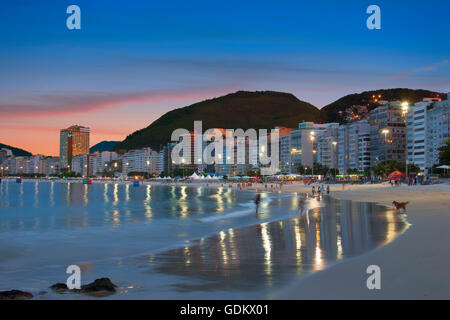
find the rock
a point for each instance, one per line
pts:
(102, 286)
(41, 293)
(15, 295)
(59, 287)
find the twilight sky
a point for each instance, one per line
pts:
(132, 61)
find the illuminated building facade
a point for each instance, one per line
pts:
(73, 142)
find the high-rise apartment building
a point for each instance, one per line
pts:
(417, 134)
(353, 145)
(388, 133)
(73, 142)
(438, 129)
(327, 135)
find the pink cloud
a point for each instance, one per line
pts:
(64, 105)
(424, 69)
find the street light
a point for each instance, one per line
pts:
(334, 143)
(385, 132)
(312, 137)
(182, 161)
(405, 110)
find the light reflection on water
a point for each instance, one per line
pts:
(105, 203)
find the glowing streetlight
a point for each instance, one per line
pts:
(182, 161)
(385, 132)
(312, 137)
(405, 108)
(334, 143)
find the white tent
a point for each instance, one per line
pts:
(194, 176)
(208, 177)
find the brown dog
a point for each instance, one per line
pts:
(400, 205)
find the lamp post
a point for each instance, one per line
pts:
(290, 159)
(182, 161)
(405, 110)
(334, 143)
(312, 137)
(385, 132)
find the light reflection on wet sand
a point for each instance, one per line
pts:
(269, 255)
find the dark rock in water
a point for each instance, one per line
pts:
(59, 287)
(15, 295)
(41, 293)
(101, 287)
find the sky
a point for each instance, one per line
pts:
(132, 61)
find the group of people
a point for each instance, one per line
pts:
(320, 189)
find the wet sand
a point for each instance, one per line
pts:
(415, 266)
(258, 261)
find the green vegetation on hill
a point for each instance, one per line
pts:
(330, 113)
(16, 151)
(260, 109)
(242, 109)
(104, 146)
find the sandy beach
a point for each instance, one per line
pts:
(414, 266)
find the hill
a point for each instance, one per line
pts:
(330, 113)
(16, 151)
(242, 109)
(104, 146)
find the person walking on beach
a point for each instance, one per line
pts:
(257, 201)
(328, 189)
(313, 191)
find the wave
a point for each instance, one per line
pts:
(235, 214)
